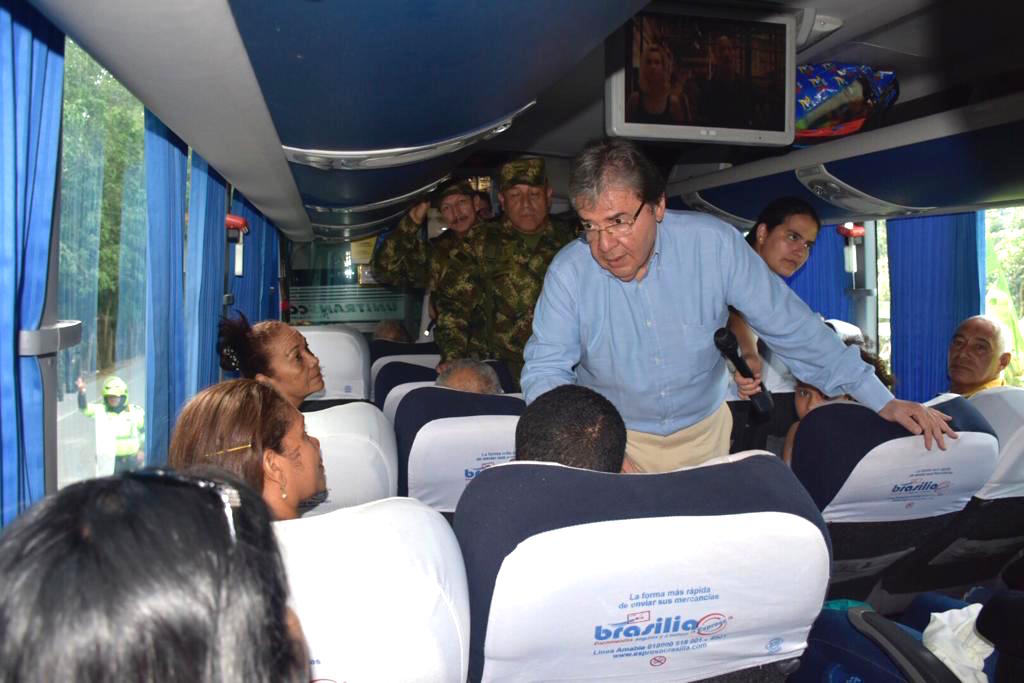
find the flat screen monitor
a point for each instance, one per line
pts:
(684, 73)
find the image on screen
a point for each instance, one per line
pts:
(704, 71)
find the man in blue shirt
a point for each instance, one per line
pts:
(631, 313)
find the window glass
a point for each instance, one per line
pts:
(884, 294)
(1004, 292)
(102, 274)
(333, 283)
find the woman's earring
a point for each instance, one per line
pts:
(284, 493)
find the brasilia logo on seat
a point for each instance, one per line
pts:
(707, 625)
(918, 486)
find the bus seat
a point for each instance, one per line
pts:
(396, 395)
(379, 348)
(380, 590)
(426, 360)
(344, 361)
(359, 452)
(989, 532)
(446, 437)
(393, 374)
(878, 488)
(582, 575)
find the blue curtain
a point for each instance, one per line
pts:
(937, 278)
(823, 281)
(165, 349)
(256, 292)
(204, 274)
(31, 91)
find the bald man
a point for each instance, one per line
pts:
(978, 354)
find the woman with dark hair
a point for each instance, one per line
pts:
(149, 576)
(783, 236)
(271, 352)
(247, 428)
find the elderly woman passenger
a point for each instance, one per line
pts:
(271, 352)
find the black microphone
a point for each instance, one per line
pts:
(725, 342)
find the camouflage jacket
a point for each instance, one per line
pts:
(495, 280)
(405, 260)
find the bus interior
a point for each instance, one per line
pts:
(322, 123)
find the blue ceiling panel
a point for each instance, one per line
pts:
(353, 75)
(976, 167)
(347, 188)
(746, 199)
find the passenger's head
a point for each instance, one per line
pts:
(482, 206)
(146, 577)
(784, 233)
(574, 426)
(273, 352)
(250, 430)
(466, 374)
(613, 185)
(978, 353)
(807, 397)
(455, 203)
(391, 330)
(525, 195)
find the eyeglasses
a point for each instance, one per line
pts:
(228, 495)
(619, 226)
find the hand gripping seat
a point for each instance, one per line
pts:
(359, 452)
(878, 488)
(990, 530)
(446, 437)
(393, 374)
(380, 590)
(581, 575)
(344, 361)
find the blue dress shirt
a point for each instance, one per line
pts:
(647, 345)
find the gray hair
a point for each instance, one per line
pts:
(1002, 340)
(466, 374)
(613, 163)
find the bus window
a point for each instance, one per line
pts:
(1004, 285)
(102, 274)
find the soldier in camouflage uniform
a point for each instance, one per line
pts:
(496, 277)
(406, 259)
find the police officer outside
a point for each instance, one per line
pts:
(120, 427)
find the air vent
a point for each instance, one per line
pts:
(834, 191)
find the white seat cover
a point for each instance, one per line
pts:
(360, 454)
(687, 611)
(900, 480)
(396, 395)
(1003, 407)
(344, 361)
(380, 590)
(427, 360)
(447, 453)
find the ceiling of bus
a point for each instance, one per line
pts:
(258, 86)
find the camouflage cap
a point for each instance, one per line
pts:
(522, 172)
(450, 188)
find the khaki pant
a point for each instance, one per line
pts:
(690, 446)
